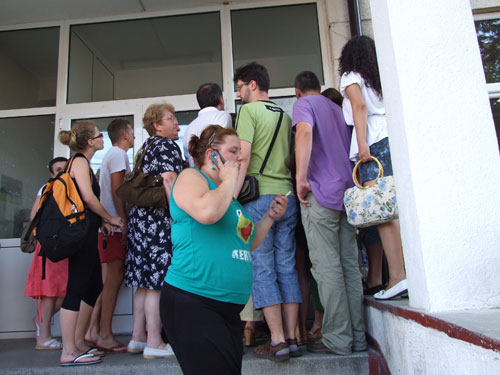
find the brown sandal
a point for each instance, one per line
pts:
(268, 351)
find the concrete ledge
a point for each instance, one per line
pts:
(413, 341)
(481, 328)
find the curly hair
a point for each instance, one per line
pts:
(359, 55)
(154, 114)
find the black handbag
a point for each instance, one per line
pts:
(141, 189)
(250, 189)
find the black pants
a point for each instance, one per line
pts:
(84, 274)
(205, 334)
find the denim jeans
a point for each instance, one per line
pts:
(274, 276)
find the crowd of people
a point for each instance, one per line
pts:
(206, 268)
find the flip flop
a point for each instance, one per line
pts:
(75, 362)
(52, 344)
(119, 348)
(96, 352)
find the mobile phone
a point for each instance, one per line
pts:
(213, 157)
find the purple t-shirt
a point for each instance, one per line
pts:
(330, 170)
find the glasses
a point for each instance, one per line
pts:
(238, 87)
(100, 135)
(169, 118)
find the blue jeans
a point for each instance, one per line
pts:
(274, 276)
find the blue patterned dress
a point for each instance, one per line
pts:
(149, 245)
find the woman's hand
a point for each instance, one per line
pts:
(116, 222)
(364, 152)
(107, 229)
(228, 171)
(278, 207)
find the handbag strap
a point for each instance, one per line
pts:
(274, 137)
(138, 163)
(355, 177)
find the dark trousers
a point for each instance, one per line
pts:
(206, 334)
(84, 274)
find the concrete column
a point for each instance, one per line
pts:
(444, 151)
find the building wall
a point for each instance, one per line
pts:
(410, 348)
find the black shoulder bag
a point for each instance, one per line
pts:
(250, 189)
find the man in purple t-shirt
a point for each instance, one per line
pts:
(324, 171)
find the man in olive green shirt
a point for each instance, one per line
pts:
(275, 287)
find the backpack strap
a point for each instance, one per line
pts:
(70, 164)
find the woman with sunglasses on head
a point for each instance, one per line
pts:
(363, 109)
(149, 247)
(84, 267)
(210, 278)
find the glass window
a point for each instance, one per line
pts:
(28, 68)
(26, 148)
(102, 124)
(495, 108)
(488, 34)
(161, 56)
(286, 41)
(184, 118)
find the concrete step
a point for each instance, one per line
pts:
(17, 356)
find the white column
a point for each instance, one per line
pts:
(444, 151)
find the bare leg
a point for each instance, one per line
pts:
(318, 321)
(290, 313)
(47, 307)
(82, 326)
(391, 240)
(69, 352)
(300, 267)
(152, 311)
(139, 330)
(275, 323)
(374, 277)
(92, 335)
(112, 283)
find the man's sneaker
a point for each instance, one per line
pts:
(293, 347)
(317, 346)
(279, 352)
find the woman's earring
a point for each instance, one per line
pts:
(212, 168)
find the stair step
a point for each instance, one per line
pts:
(17, 356)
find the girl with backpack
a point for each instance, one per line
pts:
(84, 267)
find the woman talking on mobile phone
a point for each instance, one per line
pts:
(210, 278)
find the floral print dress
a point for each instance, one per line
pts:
(149, 245)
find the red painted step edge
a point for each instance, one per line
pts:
(452, 330)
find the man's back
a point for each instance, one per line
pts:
(329, 171)
(256, 124)
(206, 116)
(115, 160)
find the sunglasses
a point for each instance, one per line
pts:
(100, 135)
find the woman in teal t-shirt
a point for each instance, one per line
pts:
(210, 278)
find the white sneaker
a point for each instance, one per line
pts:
(136, 346)
(153, 353)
